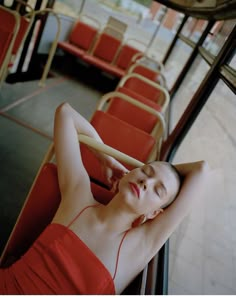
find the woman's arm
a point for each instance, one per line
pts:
(194, 184)
(71, 172)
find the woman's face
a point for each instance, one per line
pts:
(148, 188)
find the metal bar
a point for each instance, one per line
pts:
(187, 40)
(162, 270)
(199, 99)
(169, 51)
(191, 58)
(27, 41)
(156, 31)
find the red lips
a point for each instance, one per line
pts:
(135, 188)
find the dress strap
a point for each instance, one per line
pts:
(121, 242)
(118, 253)
(85, 208)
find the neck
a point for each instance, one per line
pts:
(116, 217)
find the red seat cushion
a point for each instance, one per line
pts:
(70, 48)
(20, 35)
(119, 135)
(5, 40)
(143, 88)
(106, 47)
(126, 53)
(82, 35)
(39, 210)
(146, 72)
(132, 114)
(37, 213)
(105, 66)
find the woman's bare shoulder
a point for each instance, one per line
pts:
(72, 203)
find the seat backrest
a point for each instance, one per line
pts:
(5, 40)
(146, 72)
(106, 47)
(24, 26)
(143, 88)
(132, 114)
(39, 210)
(9, 26)
(82, 35)
(119, 135)
(125, 56)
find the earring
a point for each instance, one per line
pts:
(139, 221)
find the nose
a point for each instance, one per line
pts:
(143, 183)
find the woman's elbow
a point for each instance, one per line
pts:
(62, 108)
(204, 166)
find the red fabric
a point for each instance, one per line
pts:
(131, 114)
(130, 140)
(20, 34)
(106, 47)
(82, 35)
(57, 263)
(8, 20)
(36, 214)
(70, 48)
(125, 56)
(106, 66)
(146, 72)
(5, 39)
(143, 89)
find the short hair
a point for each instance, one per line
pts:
(179, 180)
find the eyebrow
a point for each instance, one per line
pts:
(154, 172)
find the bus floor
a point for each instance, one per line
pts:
(202, 250)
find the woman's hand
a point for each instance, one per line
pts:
(113, 171)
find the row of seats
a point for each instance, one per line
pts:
(103, 49)
(13, 31)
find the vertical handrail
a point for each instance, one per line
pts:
(199, 99)
(53, 46)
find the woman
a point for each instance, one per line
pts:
(91, 248)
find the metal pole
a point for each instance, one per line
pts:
(199, 99)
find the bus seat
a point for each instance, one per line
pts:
(146, 88)
(121, 136)
(125, 56)
(80, 40)
(132, 114)
(105, 49)
(39, 210)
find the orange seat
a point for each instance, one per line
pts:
(24, 26)
(82, 35)
(5, 40)
(37, 213)
(106, 47)
(146, 72)
(80, 40)
(9, 26)
(142, 88)
(119, 135)
(132, 114)
(39, 210)
(125, 56)
(104, 53)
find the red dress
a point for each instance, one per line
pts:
(58, 263)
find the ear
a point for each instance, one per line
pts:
(154, 214)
